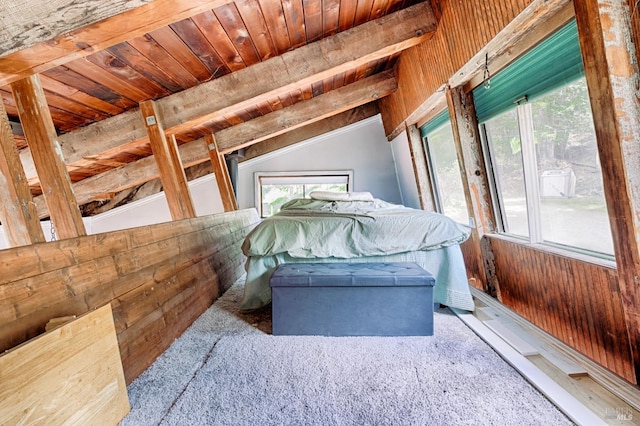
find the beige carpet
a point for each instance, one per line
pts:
(228, 370)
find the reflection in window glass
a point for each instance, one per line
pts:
(573, 209)
(275, 195)
(506, 156)
(444, 163)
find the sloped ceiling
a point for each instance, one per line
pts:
(244, 71)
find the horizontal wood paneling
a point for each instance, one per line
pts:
(575, 301)
(158, 278)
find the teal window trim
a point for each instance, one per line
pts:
(434, 123)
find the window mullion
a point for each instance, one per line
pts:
(530, 166)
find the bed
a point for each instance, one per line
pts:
(355, 227)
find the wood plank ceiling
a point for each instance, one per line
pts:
(94, 98)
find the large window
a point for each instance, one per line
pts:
(273, 189)
(539, 135)
(444, 168)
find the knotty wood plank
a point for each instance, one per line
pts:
(17, 212)
(607, 47)
(330, 16)
(169, 40)
(70, 374)
(236, 30)
(25, 262)
(213, 31)
(252, 16)
(222, 174)
(294, 16)
(70, 42)
(43, 143)
(155, 53)
(165, 152)
(244, 88)
(303, 113)
(312, 19)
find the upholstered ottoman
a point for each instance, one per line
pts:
(352, 299)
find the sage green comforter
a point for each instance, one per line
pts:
(308, 230)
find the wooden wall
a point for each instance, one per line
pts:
(575, 301)
(464, 29)
(158, 279)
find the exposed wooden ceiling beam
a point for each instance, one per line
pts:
(303, 113)
(38, 35)
(274, 77)
(311, 130)
(195, 152)
(127, 176)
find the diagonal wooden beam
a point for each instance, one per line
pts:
(38, 35)
(303, 113)
(249, 86)
(127, 176)
(222, 175)
(41, 136)
(196, 152)
(310, 131)
(165, 152)
(17, 211)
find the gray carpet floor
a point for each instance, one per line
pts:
(227, 369)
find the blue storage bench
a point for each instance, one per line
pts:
(352, 299)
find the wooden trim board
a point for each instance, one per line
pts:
(566, 402)
(70, 375)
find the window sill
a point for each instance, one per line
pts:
(559, 251)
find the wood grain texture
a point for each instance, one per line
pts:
(165, 152)
(457, 52)
(70, 375)
(303, 113)
(158, 277)
(247, 87)
(420, 169)
(577, 302)
(45, 149)
(18, 215)
(97, 25)
(612, 76)
(221, 173)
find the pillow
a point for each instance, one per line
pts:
(341, 196)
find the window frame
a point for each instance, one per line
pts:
(295, 178)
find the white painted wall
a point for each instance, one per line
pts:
(361, 147)
(154, 209)
(150, 210)
(404, 171)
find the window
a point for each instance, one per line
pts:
(444, 168)
(538, 131)
(273, 189)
